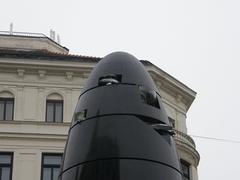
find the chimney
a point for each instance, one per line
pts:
(53, 35)
(58, 39)
(11, 29)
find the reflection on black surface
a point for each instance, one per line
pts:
(116, 139)
(110, 79)
(104, 170)
(149, 97)
(128, 169)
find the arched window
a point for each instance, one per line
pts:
(54, 108)
(6, 105)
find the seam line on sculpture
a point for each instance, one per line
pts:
(112, 85)
(113, 114)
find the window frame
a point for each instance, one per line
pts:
(5, 99)
(185, 163)
(2, 165)
(48, 165)
(54, 110)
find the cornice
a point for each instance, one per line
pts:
(33, 129)
(190, 151)
(163, 80)
(36, 123)
(185, 145)
(33, 136)
(10, 63)
(184, 137)
(13, 84)
(172, 86)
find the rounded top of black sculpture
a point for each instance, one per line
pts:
(119, 67)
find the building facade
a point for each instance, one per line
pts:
(40, 83)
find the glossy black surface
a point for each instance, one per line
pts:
(121, 169)
(119, 99)
(118, 136)
(119, 63)
(120, 129)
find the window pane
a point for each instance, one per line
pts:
(1, 110)
(58, 112)
(9, 110)
(52, 160)
(185, 170)
(51, 166)
(50, 111)
(5, 159)
(55, 173)
(46, 174)
(5, 174)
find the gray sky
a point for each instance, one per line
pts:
(197, 42)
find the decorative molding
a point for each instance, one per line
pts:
(184, 137)
(172, 85)
(42, 73)
(84, 75)
(193, 156)
(154, 76)
(32, 136)
(57, 91)
(41, 89)
(20, 72)
(20, 87)
(9, 89)
(68, 90)
(178, 98)
(186, 144)
(69, 75)
(159, 84)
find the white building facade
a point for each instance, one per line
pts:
(39, 87)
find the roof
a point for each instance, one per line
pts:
(45, 55)
(29, 35)
(23, 41)
(145, 62)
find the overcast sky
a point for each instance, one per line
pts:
(197, 42)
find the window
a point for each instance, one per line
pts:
(6, 108)
(6, 161)
(51, 166)
(54, 108)
(185, 169)
(54, 112)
